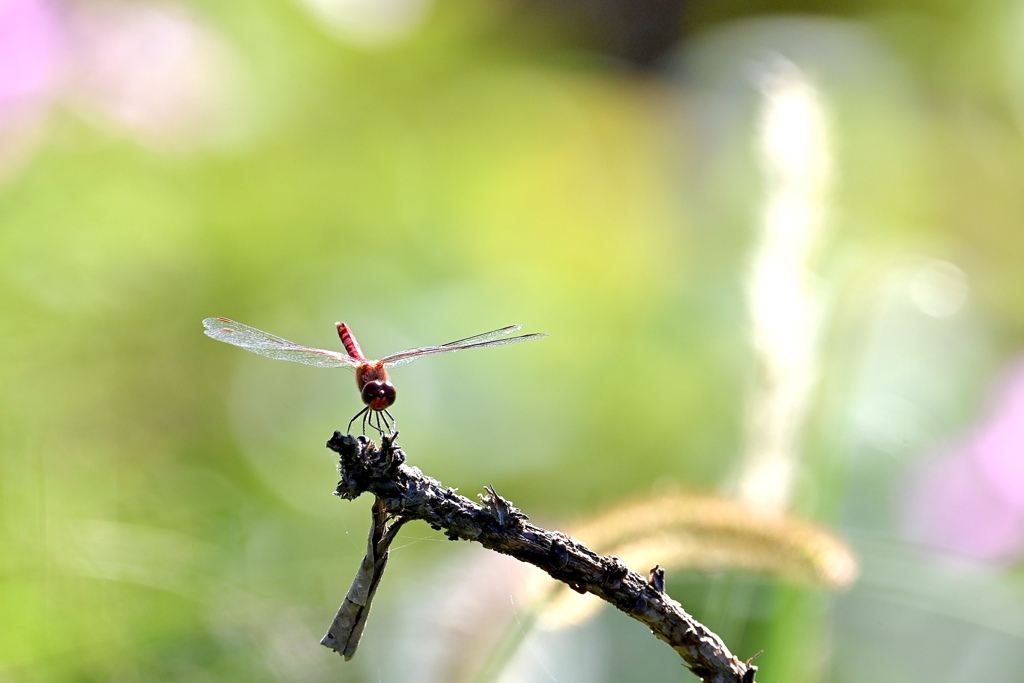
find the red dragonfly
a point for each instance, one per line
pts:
(377, 391)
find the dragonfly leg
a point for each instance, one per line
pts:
(356, 417)
(385, 422)
(375, 421)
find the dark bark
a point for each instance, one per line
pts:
(404, 493)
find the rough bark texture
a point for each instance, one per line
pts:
(406, 494)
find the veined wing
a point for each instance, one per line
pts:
(486, 336)
(266, 344)
(493, 338)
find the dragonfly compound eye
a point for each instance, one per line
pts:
(378, 395)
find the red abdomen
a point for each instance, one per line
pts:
(349, 340)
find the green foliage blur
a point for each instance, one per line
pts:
(440, 171)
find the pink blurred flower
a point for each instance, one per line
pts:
(971, 502)
(999, 448)
(152, 71)
(30, 50)
(31, 58)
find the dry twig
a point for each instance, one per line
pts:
(404, 493)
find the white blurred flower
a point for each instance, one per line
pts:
(369, 22)
(154, 71)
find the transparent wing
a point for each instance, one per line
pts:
(486, 336)
(493, 338)
(265, 344)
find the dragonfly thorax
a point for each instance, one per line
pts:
(374, 387)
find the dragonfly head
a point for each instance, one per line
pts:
(378, 394)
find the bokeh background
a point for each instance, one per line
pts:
(777, 246)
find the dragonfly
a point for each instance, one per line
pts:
(375, 387)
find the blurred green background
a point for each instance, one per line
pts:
(777, 247)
